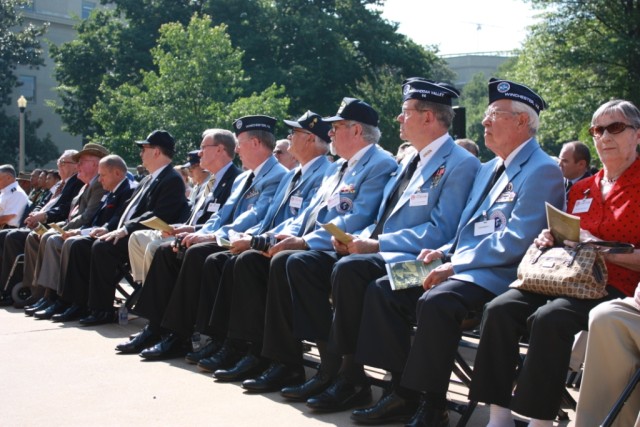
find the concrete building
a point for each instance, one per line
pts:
(468, 64)
(38, 84)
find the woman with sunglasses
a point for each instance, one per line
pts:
(608, 205)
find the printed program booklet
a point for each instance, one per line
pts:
(563, 226)
(408, 274)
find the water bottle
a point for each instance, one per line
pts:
(196, 341)
(123, 315)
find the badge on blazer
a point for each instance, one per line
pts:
(508, 195)
(252, 193)
(500, 220)
(437, 176)
(348, 189)
(345, 205)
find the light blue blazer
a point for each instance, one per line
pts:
(491, 260)
(446, 180)
(243, 210)
(280, 211)
(360, 196)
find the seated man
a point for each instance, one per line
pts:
(13, 199)
(161, 194)
(250, 198)
(84, 208)
(505, 211)
(214, 173)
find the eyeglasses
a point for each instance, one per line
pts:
(613, 128)
(203, 146)
(66, 162)
(493, 114)
(293, 131)
(335, 127)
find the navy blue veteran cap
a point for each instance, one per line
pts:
(356, 110)
(504, 89)
(159, 138)
(313, 123)
(192, 159)
(247, 123)
(428, 90)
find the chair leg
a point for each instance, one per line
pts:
(617, 407)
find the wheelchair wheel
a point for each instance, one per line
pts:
(20, 293)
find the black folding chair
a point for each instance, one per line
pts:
(617, 407)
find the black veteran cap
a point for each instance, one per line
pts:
(246, 123)
(192, 159)
(504, 89)
(159, 138)
(428, 90)
(313, 123)
(356, 110)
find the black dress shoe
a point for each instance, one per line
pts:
(341, 395)
(144, 339)
(249, 366)
(226, 357)
(40, 305)
(390, 408)
(427, 416)
(55, 308)
(207, 350)
(74, 312)
(29, 301)
(169, 347)
(314, 386)
(98, 317)
(275, 378)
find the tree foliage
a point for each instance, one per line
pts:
(582, 54)
(19, 48)
(198, 84)
(317, 49)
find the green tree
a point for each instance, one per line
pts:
(19, 48)
(581, 55)
(198, 85)
(475, 98)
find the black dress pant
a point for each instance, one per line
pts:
(166, 273)
(75, 271)
(107, 260)
(14, 241)
(440, 313)
(551, 324)
(200, 271)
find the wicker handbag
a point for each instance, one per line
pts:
(578, 272)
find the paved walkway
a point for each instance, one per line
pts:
(62, 374)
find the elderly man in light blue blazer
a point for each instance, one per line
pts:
(348, 198)
(504, 213)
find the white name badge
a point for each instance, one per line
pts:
(484, 227)
(103, 197)
(333, 201)
(213, 207)
(419, 199)
(295, 202)
(582, 206)
(506, 197)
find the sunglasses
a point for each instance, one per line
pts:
(613, 129)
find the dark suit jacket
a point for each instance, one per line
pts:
(60, 210)
(112, 207)
(220, 193)
(165, 198)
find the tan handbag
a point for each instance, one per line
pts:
(578, 272)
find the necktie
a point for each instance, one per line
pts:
(326, 191)
(287, 196)
(133, 204)
(245, 188)
(401, 185)
(96, 218)
(196, 214)
(75, 203)
(496, 176)
(59, 189)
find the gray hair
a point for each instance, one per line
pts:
(222, 137)
(68, 153)
(113, 161)
(444, 113)
(534, 120)
(371, 134)
(619, 106)
(9, 170)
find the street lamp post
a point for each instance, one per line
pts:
(22, 105)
